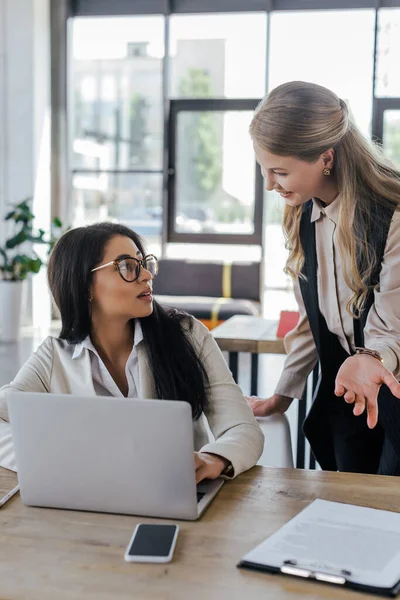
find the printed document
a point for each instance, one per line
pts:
(361, 544)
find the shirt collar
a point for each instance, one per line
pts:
(331, 210)
(87, 342)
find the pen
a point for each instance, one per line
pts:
(10, 494)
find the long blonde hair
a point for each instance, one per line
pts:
(304, 120)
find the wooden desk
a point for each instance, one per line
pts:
(55, 554)
(244, 333)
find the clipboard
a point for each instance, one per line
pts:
(309, 566)
(321, 577)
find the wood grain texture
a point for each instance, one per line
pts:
(57, 554)
(243, 333)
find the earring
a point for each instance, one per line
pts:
(327, 171)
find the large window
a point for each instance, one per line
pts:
(117, 122)
(332, 48)
(215, 192)
(218, 56)
(130, 86)
(212, 192)
(388, 81)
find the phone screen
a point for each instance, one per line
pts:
(152, 540)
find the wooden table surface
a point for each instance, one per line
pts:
(57, 554)
(243, 333)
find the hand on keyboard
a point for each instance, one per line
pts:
(208, 466)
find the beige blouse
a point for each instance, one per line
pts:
(382, 330)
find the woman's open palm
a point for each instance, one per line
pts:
(359, 380)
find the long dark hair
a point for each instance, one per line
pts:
(177, 369)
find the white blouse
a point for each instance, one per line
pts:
(103, 383)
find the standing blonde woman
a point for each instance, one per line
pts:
(342, 230)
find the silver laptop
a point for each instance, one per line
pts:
(110, 454)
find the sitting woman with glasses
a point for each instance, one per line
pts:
(116, 340)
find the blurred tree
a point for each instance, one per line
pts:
(138, 130)
(202, 153)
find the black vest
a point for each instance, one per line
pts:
(327, 410)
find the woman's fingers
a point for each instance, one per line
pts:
(198, 463)
(389, 380)
(339, 389)
(372, 411)
(349, 397)
(359, 405)
(257, 405)
(201, 474)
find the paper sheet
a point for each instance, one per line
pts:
(330, 537)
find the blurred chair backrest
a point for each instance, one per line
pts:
(179, 277)
(278, 443)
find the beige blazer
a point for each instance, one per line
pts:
(52, 369)
(382, 329)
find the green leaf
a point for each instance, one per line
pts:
(21, 259)
(24, 205)
(18, 239)
(4, 255)
(24, 217)
(35, 265)
(56, 222)
(10, 215)
(37, 239)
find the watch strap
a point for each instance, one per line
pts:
(374, 353)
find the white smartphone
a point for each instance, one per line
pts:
(152, 543)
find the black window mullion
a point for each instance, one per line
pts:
(97, 8)
(82, 8)
(218, 6)
(166, 145)
(118, 171)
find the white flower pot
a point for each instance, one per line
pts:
(10, 310)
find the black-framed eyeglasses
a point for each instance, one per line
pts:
(129, 268)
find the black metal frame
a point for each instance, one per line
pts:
(165, 7)
(209, 105)
(380, 105)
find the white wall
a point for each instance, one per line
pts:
(25, 112)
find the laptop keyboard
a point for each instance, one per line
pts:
(200, 495)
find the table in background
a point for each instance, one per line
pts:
(244, 333)
(48, 554)
(256, 336)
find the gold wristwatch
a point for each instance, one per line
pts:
(373, 353)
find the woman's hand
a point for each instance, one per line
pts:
(209, 466)
(359, 380)
(270, 406)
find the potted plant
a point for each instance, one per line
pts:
(18, 260)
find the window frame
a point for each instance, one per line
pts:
(85, 8)
(168, 7)
(380, 106)
(210, 105)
